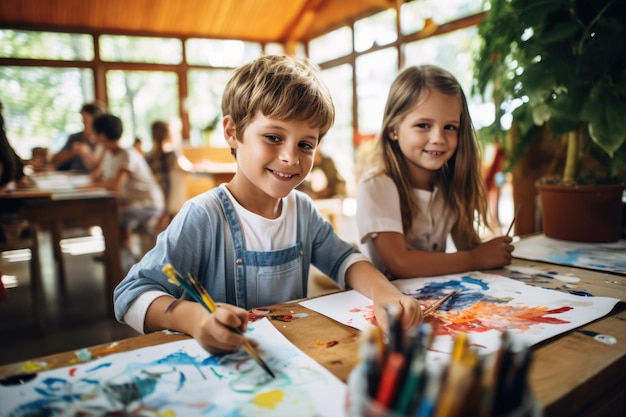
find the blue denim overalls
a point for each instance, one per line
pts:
(260, 278)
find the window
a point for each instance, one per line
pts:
(379, 29)
(333, 45)
(221, 53)
(414, 13)
(42, 105)
(205, 106)
(138, 49)
(45, 45)
(338, 141)
(374, 74)
(140, 98)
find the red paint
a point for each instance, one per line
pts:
(332, 343)
(72, 371)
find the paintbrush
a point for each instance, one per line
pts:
(513, 221)
(434, 306)
(201, 295)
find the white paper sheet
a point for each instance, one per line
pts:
(607, 257)
(487, 305)
(181, 379)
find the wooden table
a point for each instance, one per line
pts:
(571, 374)
(57, 209)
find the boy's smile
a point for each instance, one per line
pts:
(273, 157)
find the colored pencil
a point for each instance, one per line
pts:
(201, 295)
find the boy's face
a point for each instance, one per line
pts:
(273, 157)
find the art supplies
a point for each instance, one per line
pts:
(466, 385)
(513, 221)
(434, 306)
(200, 294)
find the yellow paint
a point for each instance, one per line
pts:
(29, 367)
(269, 399)
(167, 413)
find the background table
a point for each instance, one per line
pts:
(55, 210)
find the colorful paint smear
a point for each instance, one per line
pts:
(607, 257)
(486, 305)
(181, 379)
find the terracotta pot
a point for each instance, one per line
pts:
(582, 213)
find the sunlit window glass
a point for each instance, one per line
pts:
(41, 105)
(332, 45)
(413, 14)
(204, 106)
(141, 49)
(338, 141)
(379, 29)
(374, 75)
(274, 48)
(221, 53)
(453, 52)
(45, 45)
(140, 98)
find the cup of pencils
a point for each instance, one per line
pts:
(394, 379)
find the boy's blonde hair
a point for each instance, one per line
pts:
(280, 87)
(460, 178)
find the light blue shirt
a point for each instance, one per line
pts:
(195, 243)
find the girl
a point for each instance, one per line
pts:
(426, 183)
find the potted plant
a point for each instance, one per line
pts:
(558, 69)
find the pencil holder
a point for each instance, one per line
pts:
(360, 404)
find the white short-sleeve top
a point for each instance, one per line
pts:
(378, 210)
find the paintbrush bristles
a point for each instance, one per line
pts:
(434, 306)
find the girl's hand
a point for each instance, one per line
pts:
(212, 330)
(493, 254)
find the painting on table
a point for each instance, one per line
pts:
(607, 257)
(181, 379)
(485, 306)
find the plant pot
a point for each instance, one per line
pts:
(582, 213)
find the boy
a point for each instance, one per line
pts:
(251, 241)
(81, 151)
(126, 172)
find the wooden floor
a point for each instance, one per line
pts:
(74, 319)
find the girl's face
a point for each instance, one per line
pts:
(273, 157)
(428, 136)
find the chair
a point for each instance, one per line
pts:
(20, 234)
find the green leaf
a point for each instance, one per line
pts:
(605, 110)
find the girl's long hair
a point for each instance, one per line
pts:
(460, 178)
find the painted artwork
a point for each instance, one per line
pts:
(607, 257)
(486, 305)
(181, 379)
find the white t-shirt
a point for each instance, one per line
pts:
(378, 210)
(141, 189)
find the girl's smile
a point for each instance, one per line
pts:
(428, 135)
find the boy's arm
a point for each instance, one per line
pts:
(191, 318)
(116, 183)
(369, 281)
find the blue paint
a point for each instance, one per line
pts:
(581, 293)
(104, 365)
(468, 296)
(475, 281)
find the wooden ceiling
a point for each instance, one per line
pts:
(282, 21)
